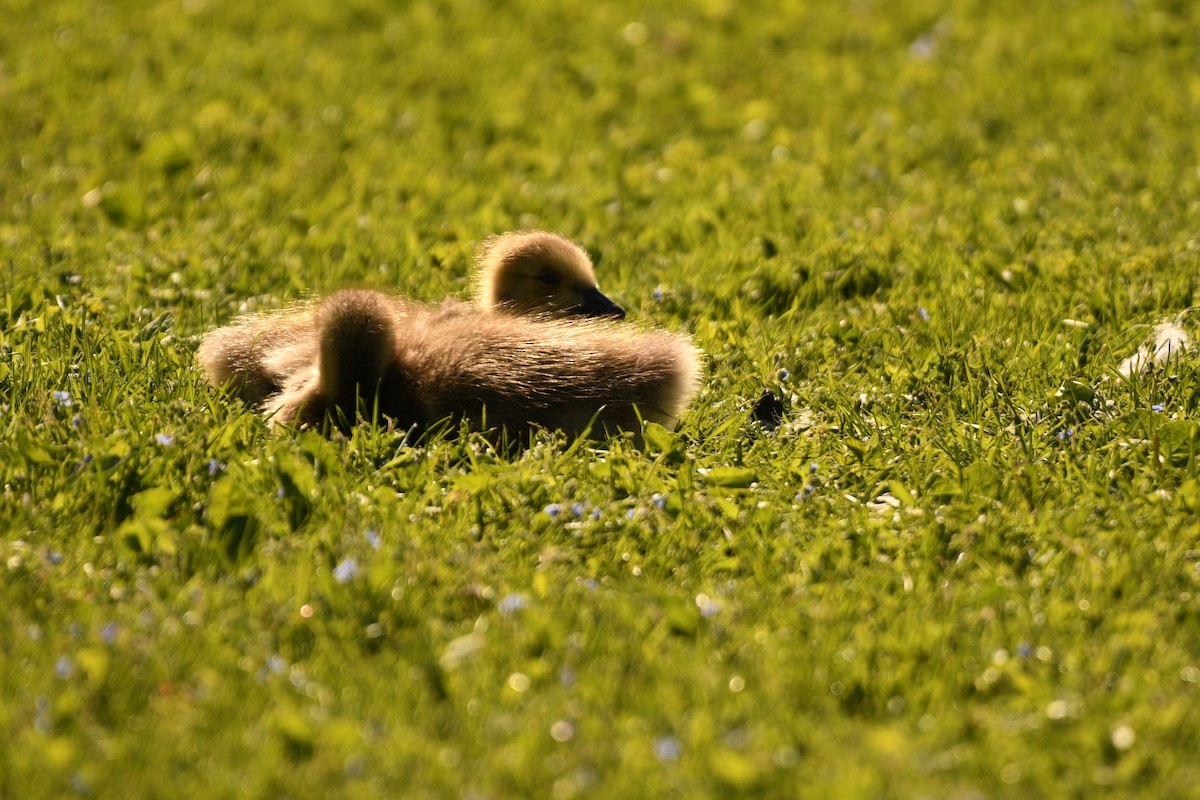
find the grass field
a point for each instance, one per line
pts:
(967, 565)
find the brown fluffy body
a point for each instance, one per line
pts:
(418, 365)
(359, 353)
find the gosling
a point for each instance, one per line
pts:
(417, 366)
(516, 273)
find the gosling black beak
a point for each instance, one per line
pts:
(595, 304)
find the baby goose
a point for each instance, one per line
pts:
(525, 272)
(537, 271)
(418, 366)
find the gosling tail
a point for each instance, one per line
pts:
(258, 354)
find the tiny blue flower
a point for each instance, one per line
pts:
(784, 374)
(595, 513)
(346, 570)
(631, 513)
(55, 557)
(64, 668)
(658, 294)
(592, 584)
(667, 748)
(511, 603)
(280, 493)
(373, 538)
(164, 439)
(276, 664)
(552, 510)
(1024, 649)
(923, 313)
(63, 399)
(77, 421)
(577, 510)
(1065, 434)
(1157, 407)
(812, 468)
(42, 722)
(214, 467)
(108, 634)
(659, 500)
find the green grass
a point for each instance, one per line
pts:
(968, 564)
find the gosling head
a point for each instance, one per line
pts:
(535, 271)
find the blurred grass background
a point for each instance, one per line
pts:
(965, 566)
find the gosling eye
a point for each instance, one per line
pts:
(548, 278)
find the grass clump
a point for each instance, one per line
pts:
(964, 564)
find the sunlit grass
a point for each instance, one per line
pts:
(965, 563)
